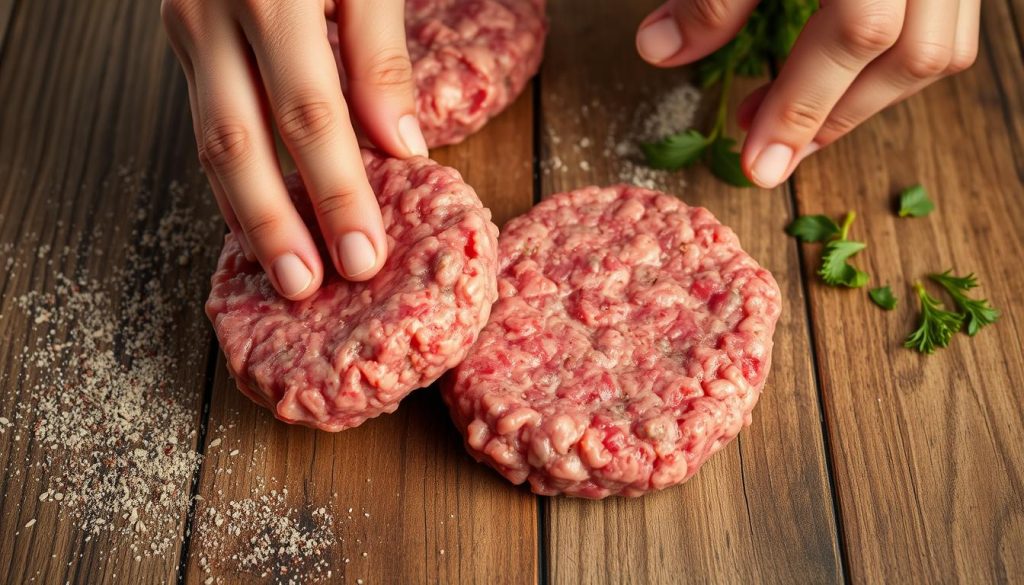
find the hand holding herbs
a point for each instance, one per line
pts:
(851, 60)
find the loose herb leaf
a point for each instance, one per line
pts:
(977, 312)
(813, 228)
(725, 163)
(914, 202)
(883, 297)
(937, 324)
(834, 267)
(676, 151)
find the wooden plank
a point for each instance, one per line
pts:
(94, 113)
(760, 510)
(6, 8)
(926, 449)
(434, 515)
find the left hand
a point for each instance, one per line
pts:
(853, 59)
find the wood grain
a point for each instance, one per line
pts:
(927, 449)
(761, 509)
(87, 88)
(434, 515)
(6, 8)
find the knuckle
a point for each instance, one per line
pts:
(306, 120)
(710, 13)
(927, 60)
(801, 116)
(390, 69)
(871, 32)
(836, 125)
(261, 226)
(963, 59)
(225, 145)
(180, 15)
(335, 203)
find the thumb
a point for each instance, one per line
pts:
(682, 31)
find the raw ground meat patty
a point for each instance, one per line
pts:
(470, 60)
(353, 350)
(630, 341)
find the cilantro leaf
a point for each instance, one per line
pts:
(676, 151)
(937, 325)
(813, 228)
(834, 267)
(977, 312)
(883, 297)
(725, 163)
(914, 202)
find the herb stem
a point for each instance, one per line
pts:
(847, 222)
(723, 99)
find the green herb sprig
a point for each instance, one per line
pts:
(768, 36)
(977, 313)
(836, 269)
(937, 325)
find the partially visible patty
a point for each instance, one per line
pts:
(470, 60)
(630, 341)
(354, 349)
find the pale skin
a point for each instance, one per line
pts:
(256, 64)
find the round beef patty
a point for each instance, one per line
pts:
(630, 341)
(354, 349)
(470, 60)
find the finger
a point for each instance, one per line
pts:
(315, 126)
(923, 54)
(218, 191)
(750, 105)
(376, 60)
(682, 31)
(236, 144)
(835, 46)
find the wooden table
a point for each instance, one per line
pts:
(865, 462)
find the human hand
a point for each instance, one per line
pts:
(853, 59)
(250, 63)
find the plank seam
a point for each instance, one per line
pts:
(543, 578)
(186, 538)
(819, 387)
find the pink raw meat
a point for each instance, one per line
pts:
(353, 350)
(630, 341)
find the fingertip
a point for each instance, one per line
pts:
(293, 277)
(356, 257)
(659, 38)
(412, 135)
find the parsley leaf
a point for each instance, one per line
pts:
(914, 202)
(724, 163)
(834, 268)
(937, 325)
(977, 312)
(883, 297)
(813, 228)
(676, 151)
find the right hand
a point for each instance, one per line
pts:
(250, 61)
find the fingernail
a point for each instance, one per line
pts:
(292, 274)
(356, 254)
(770, 166)
(412, 136)
(659, 40)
